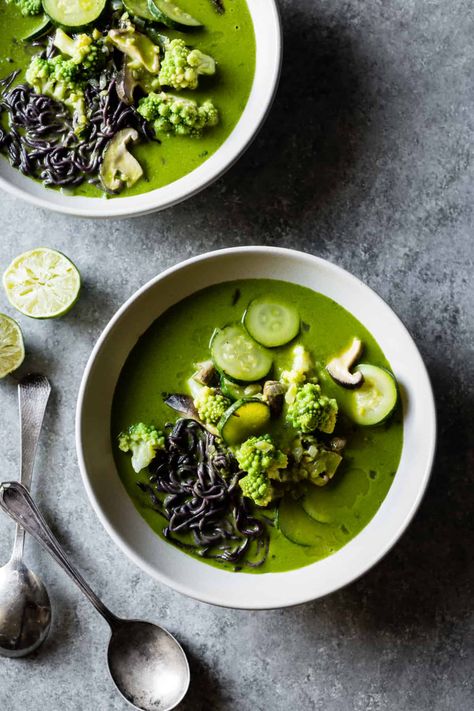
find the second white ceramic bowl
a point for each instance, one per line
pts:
(266, 22)
(169, 564)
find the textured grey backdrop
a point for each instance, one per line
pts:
(366, 160)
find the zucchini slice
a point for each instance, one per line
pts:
(41, 29)
(74, 13)
(272, 321)
(297, 526)
(139, 8)
(243, 419)
(375, 399)
(238, 356)
(171, 15)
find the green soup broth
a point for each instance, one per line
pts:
(163, 359)
(229, 38)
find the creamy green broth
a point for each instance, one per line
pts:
(163, 360)
(229, 38)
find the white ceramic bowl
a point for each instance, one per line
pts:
(170, 565)
(267, 28)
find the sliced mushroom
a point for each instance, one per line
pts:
(337, 444)
(339, 368)
(206, 372)
(126, 83)
(184, 404)
(274, 395)
(138, 47)
(119, 167)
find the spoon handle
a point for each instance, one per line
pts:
(17, 502)
(33, 394)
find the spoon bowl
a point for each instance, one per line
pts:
(25, 610)
(147, 665)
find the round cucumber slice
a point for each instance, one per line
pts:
(171, 15)
(12, 350)
(139, 8)
(42, 283)
(375, 399)
(271, 321)
(74, 13)
(238, 356)
(297, 526)
(243, 419)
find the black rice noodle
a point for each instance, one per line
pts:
(41, 140)
(202, 497)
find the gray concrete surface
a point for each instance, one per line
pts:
(366, 160)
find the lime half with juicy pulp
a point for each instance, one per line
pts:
(12, 350)
(42, 283)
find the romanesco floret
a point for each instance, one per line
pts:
(28, 7)
(174, 115)
(210, 404)
(143, 441)
(263, 463)
(311, 461)
(181, 66)
(310, 410)
(88, 52)
(58, 78)
(302, 365)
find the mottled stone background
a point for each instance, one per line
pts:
(366, 160)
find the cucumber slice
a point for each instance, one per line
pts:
(243, 419)
(297, 526)
(375, 399)
(139, 8)
(171, 15)
(231, 389)
(238, 356)
(338, 501)
(44, 27)
(74, 13)
(271, 321)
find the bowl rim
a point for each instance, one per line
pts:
(300, 597)
(258, 105)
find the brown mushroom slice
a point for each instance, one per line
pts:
(339, 368)
(138, 47)
(126, 83)
(119, 167)
(206, 372)
(274, 396)
(184, 404)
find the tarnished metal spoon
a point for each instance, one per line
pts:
(25, 610)
(147, 664)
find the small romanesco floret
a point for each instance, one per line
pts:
(310, 410)
(211, 405)
(181, 66)
(59, 78)
(263, 463)
(88, 52)
(29, 7)
(174, 115)
(311, 461)
(143, 441)
(300, 368)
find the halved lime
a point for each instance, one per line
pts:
(12, 350)
(42, 283)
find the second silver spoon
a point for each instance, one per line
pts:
(25, 609)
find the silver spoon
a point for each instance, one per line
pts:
(147, 664)
(25, 610)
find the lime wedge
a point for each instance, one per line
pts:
(12, 350)
(42, 283)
